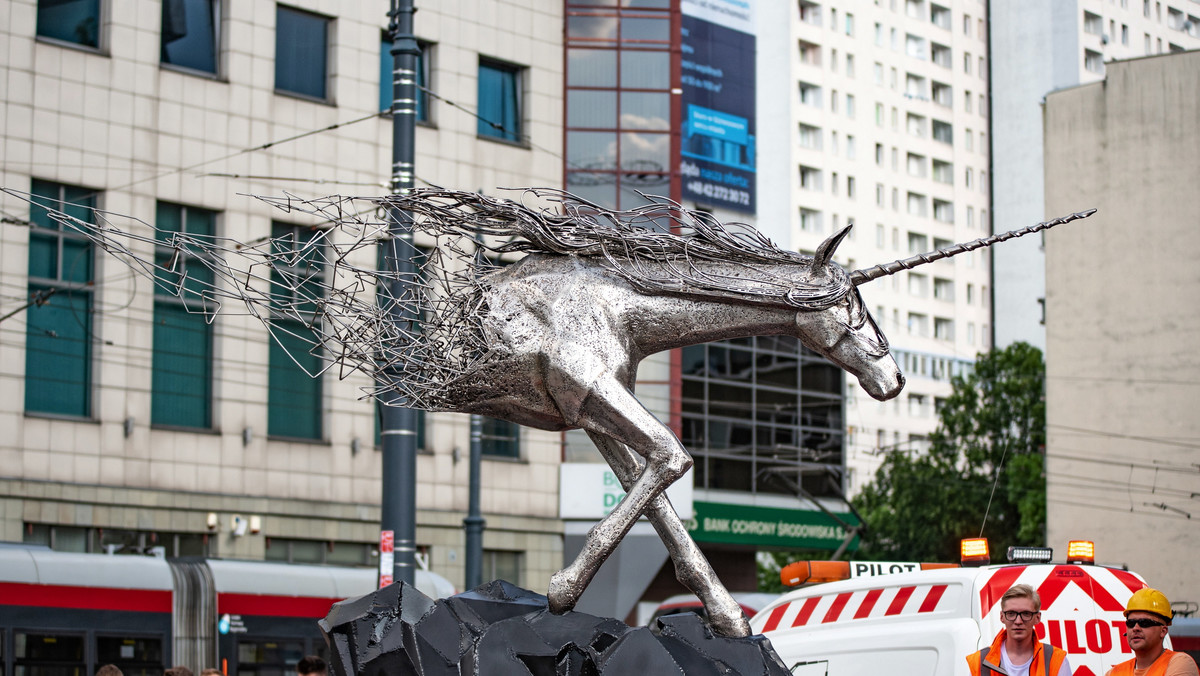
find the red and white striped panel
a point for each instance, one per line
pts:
(1107, 587)
(863, 604)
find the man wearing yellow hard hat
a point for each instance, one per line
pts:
(1147, 616)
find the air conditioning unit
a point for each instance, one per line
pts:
(1104, 39)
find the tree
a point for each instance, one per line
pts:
(985, 458)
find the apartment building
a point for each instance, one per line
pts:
(1037, 48)
(885, 109)
(130, 424)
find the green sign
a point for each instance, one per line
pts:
(767, 526)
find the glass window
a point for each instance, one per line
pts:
(189, 34)
(268, 657)
(181, 385)
(501, 565)
(47, 654)
(301, 52)
(58, 333)
(74, 21)
(134, 656)
(499, 101)
(294, 395)
(501, 438)
(385, 78)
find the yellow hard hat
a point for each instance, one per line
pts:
(1150, 601)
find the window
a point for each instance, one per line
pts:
(1092, 23)
(967, 101)
(331, 552)
(502, 565)
(943, 132)
(943, 289)
(943, 211)
(916, 165)
(970, 136)
(810, 220)
(181, 384)
(833, 59)
(914, 87)
(833, 101)
(970, 294)
(969, 178)
(294, 397)
(48, 652)
(810, 53)
(879, 115)
(849, 65)
(385, 78)
(1093, 61)
(810, 12)
(1124, 34)
(58, 334)
(967, 24)
(73, 21)
(879, 195)
(918, 205)
(190, 30)
(939, 16)
(943, 94)
(880, 239)
(501, 438)
(878, 70)
(942, 55)
(133, 655)
(914, 46)
(879, 154)
(810, 137)
(918, 324)
(918, 284)
(851, 147)
(943, 172)
(967, 63)
(851, 188)
(850, 106)
(810, 94)
(849, 24)
(810, 178)
(301, 52)
(970, 217)
(500, 101)
(916, 125)
(943, 329)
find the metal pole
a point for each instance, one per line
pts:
(474, 523)
(398, 425)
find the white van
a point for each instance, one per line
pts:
(874, 621)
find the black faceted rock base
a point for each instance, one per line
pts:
(499, 629)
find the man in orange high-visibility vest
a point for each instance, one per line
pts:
(1147, 616)
(1016, 651)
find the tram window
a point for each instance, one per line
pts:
(135, 656)
(38, 654)
(269, 658)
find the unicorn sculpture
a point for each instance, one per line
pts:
(553, 340)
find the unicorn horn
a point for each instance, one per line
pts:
(865, 275)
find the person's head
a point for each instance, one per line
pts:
(208, 672)
(178, 670)
(312, 666)
(1020, 611)
(1147, 616)
(109, 670)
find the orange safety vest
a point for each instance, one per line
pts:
(1046, 658)
(1158, 668)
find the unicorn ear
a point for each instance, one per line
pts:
(825, 251)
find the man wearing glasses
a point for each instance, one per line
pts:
(1016, 651)
(1147, 616)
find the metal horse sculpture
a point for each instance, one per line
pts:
(553, 340)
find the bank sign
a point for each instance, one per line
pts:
(717, 163)
(767, 526)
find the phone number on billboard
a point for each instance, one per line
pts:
(719, 192)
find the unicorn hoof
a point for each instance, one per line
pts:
(563, 592)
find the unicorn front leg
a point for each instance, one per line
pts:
(691, 567)
(610, 410)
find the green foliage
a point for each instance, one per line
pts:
(992, 432)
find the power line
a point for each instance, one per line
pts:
(1115, 435)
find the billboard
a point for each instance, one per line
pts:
(717, 82)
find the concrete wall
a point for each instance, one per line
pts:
(1123, 374)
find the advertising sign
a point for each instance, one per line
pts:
(590, 491)
(767, 526)
(717, 163)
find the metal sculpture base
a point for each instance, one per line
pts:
(499, 629)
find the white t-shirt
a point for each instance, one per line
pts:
(1023, 669)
